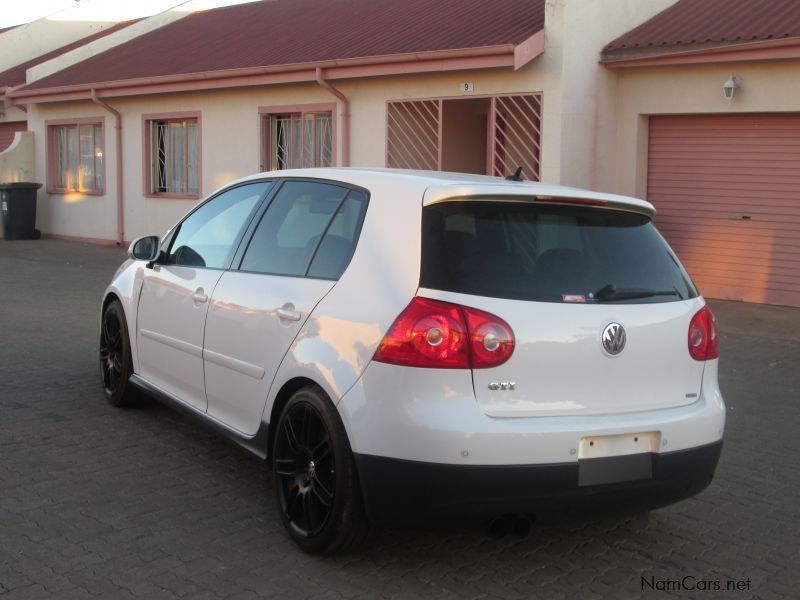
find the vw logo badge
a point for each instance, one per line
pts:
(613, 339)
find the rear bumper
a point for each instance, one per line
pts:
(411, 493)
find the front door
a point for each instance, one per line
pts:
(175, 294)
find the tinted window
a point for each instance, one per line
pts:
(285, 239)
(205, 238)
(544, 253)
(336, 249)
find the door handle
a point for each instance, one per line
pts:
(289, 314)
(199, 297)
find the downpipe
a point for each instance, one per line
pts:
(345, 116)
(120, 187)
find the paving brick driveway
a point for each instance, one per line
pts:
(102, 502)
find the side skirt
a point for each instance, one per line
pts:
(257, 444)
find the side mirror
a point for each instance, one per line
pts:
(144, 248)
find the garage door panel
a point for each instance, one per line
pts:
(714, 234)
(666, 219)
(739, 123)
(746, 204)
(707, 171)
(732, 246)
(676, 201)
(732, 213)
(725, 184)
(687, 160)
(724, 172)
(710, 272)
(730, 255)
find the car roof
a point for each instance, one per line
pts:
(438, 186)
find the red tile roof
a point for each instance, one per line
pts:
(16, 75)
(691, 24)
(285, 32)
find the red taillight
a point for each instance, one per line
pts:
(440, 335)
(490, 338)
(703, 335)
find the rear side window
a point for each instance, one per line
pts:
(547, 253)
(310, 228)
(339, 243)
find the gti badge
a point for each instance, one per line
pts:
(613, 339)
(502, 385)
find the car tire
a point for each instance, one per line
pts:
(317, 488)
(116, 365)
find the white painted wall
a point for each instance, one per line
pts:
(11, 113)
(17, 162)
(587, 97)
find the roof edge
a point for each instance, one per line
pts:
(371, 66)
(785, 48)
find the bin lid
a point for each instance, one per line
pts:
(17, 185)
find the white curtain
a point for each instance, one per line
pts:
(86, 147)
(72, 159)
(98, 157)
(177, 159)
(61, 157)
(192, 186)
(324, 140)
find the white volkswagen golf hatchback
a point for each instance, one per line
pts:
(418, 347)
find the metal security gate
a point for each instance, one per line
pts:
(413, 135)
(415, 138)
(515, 128)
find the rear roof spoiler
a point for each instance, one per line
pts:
(534, 192)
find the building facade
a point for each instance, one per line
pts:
(592, 93)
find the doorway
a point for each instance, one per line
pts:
(491, 135)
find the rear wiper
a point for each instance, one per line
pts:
(610, 292)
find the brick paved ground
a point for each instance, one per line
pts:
(102, 502)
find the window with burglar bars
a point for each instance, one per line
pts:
(297, 140)
(77, 158)
(174, 157)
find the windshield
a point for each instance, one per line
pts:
(548, 253)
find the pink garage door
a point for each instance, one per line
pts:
(7, 131)
(727, 190)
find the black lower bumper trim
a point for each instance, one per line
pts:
(409, 493)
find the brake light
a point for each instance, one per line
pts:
(703, 335)
(440, 335)
(571, 200)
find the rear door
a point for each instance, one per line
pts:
(560, 276)
(300, 246)
(174, 300)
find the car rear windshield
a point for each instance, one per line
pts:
(548, 253)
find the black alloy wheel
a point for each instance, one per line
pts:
(115, 355)
(315, 476)
(306, 470)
